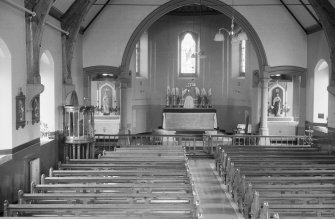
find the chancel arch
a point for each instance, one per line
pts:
(6, 109)
(321, 82)
(174, 4)
(47, 98)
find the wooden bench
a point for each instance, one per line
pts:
(104, 198)
(317, 203)
(111, 210)
(152, 173)
(130, 183)
(112, 166)
(219, 155)
(280, 182)
(119, 179)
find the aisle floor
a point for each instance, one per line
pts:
(215, 202)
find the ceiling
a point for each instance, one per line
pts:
(300, 10)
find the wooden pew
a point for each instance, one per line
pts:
(219, 157)
(122, 179)
(105, 198)
(152, 173)
(112, 166)
(255, 170)
(111, 210)
(318, 203)
(121, 184)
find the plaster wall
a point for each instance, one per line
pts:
(12, 24)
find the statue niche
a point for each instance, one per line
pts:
(107, 98)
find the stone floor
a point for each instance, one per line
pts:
(214, 201)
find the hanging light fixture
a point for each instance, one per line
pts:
(235, 36)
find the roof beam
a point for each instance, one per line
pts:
(95, 17)
(311, 13)
(313, 29)
(34, 33)
(71, 21)
(295, 18)
(55, 13)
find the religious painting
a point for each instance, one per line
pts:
(36, 110)
(20, 110)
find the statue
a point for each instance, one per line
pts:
(105, 103)
(189, 103)
(276, 107)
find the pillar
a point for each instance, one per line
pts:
(264, 129)
(123, 108)
(302, 109)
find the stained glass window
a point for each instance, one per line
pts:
(188, 54)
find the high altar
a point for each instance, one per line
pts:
(189, 109)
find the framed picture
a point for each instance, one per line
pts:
(35, 104)
(20, 110)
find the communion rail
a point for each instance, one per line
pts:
(195, 143)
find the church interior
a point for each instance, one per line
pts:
(231, 102)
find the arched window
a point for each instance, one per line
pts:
(6, 97)
(321, 82)
(47, 98)
(188, 59)
(242, 56)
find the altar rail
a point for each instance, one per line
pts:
(195, 144)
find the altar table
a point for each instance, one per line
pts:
(189, 119)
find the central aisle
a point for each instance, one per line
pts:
(213, 200)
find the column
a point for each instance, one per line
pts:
(302, 109)
(264, 129)
(123, 108)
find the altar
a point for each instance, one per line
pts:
(189, 119)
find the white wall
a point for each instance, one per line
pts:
(12, 26)
(283, 39)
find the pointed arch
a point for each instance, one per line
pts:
(6, 94)
(174, 4)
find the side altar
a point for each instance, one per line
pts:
(189, 108)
